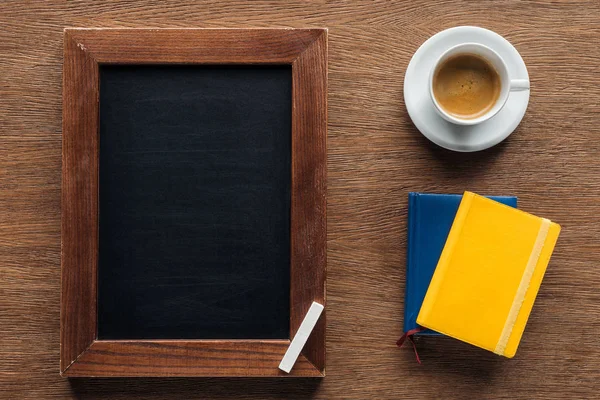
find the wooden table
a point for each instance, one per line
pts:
(552, 162)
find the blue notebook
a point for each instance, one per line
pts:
(430, 218)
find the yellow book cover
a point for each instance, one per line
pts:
(488, 275)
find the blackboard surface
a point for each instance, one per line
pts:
(194, 199)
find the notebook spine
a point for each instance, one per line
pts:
(412, 225)
(440, 270)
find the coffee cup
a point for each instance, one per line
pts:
(470, 83)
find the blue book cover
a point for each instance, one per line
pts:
(430, 218)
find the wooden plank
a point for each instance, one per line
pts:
(79, 202)
(309, 183)
(242, 358)
(195, 46)
(375, 157)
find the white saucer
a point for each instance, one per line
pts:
(422, 111)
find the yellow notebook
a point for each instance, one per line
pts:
(488, 275)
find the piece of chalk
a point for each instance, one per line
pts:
(306, 327)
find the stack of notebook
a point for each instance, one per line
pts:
(474, 268)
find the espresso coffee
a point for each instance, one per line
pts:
(466, 86)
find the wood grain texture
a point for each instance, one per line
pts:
(189, 46)
(249, 358)
(85, 50)
(309, 185)
(375, 156)
(79, 202)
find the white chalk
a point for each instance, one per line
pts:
(306, 327)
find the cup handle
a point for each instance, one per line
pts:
(517, 85)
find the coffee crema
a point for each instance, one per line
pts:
(466, 86)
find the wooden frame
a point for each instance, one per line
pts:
(84, 50)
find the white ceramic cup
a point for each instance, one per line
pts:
(507, 84)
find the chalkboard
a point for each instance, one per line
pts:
(193, 212)
(194, 202)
